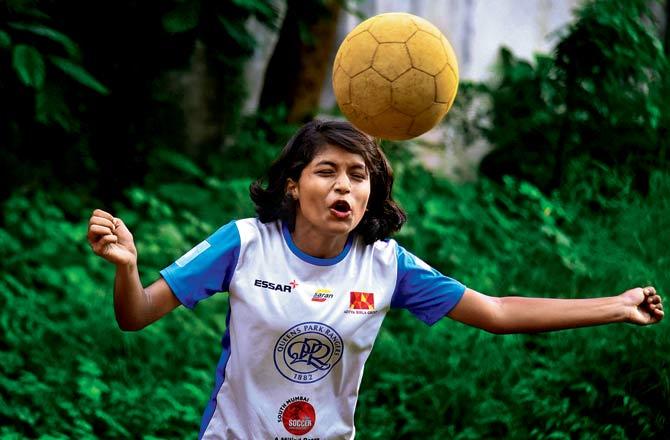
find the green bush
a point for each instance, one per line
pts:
(599, 98)
(453, 381)
(66, 371)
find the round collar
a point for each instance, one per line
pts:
(315, 260)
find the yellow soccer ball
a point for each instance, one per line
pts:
(395, 76)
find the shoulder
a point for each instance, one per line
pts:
(383, 251)
(252, 230)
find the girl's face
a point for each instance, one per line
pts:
(332, 192)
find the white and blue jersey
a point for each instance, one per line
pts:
(299, 328)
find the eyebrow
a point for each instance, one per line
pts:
(334, 165)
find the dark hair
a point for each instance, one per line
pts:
(383, 215)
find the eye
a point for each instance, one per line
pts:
(325, 172)
(359, 176)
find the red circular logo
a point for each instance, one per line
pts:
(299, 418)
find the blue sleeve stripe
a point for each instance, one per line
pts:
(422, 290)
(209, 270)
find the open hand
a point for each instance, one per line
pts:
(110, 238)
(644, 305)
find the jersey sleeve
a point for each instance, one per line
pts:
(422, 290)
(207, 268)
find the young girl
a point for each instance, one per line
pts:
(310, 281)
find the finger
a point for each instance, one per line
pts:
(96, 230)
(103, 214)
(656, 313)
(655, 299)
(100, 246)
(649, 290)
(107, 239)
(119, 223)
(102, 221)
(94, 236)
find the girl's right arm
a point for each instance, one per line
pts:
(134, 306)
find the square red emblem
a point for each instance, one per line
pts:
(361, 301)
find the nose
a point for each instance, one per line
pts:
(343, 184)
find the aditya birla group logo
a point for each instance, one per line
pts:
(297, 415)
(361, 301)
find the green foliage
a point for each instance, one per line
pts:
(29, 65)
(257, 144)
(602, 96)
(77, 73)
(87, 101)
(453, 381)
(183, 18)
(32, 41)
(67, 371)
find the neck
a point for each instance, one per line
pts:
(317, 244)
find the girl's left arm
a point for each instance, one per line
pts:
(512, 314)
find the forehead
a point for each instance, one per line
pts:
(338, 156)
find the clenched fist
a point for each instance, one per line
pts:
(110, 238)
(644, 305)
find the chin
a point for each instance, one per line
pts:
(340, 227)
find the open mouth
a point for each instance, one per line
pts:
(340, 209)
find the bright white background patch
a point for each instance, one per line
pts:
(190, 255)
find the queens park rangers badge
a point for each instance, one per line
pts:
(307, 352)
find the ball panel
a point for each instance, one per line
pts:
(359, 53)
(342, 53)
(362, 27)
(413, 92)
(361, 120)
(395, 124)
(427, 53)
(426, 26)
(428, 118)
(370, 93)
(393, 27)
(451, 56)
(391, 60)
(446, 85)
(341, 86)
(338, 55)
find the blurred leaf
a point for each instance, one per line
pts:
(181, 19)
(180, 162)
(78, 73)
(29, 64)
(266, 12)
(238, 32)
(5, 39)
(52, 34)
(51, 108)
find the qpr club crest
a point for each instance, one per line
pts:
(307, 352)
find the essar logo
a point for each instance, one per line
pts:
(273, 286)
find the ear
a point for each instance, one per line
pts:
(292, 188)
